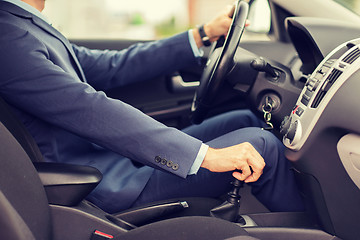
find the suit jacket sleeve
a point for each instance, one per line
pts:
(143, 61)
(32, 82)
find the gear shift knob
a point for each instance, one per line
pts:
(229, 210)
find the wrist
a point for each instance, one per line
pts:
(209, 32)
(209, 159)
(203, 32)
(197, 37)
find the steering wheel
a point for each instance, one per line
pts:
(218, 65)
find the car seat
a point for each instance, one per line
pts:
(44, 201)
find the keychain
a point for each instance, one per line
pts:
(267, 108)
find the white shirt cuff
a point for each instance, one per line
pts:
(197, 52)
(199, 159)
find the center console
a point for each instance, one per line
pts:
(319, 89)
(322, 136)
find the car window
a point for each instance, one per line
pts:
(353, 5)
(141, 19)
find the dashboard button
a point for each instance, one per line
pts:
(308, 93)
(304, 100)
(299, 111)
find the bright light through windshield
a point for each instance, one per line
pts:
(353, 5)
(164, 9)
(121, 19)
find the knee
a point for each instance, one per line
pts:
(240, 119)
(276, 164)
(247, 117)
(269, 147)
(264, 141)
(271, 142)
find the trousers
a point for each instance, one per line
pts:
(276, 188)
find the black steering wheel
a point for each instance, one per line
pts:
(219, 63)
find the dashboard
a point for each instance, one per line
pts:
(317, 115)
(322, 130)
(326, 81)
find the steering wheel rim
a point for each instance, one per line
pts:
(219, 63)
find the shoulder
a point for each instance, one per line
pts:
(15, 23)
(16, 38)
(10, 31)
(20, 50)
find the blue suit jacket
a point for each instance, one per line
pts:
(56, 90)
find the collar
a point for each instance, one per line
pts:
(28, 8)
(9, 6)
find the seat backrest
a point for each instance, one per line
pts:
(18, 130)
(25, 213)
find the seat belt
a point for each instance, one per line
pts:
(18, 130)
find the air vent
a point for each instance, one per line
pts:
(333, 76)
(351, 57)
(318, 98)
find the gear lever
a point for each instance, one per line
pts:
(229, 210)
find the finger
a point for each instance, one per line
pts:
(250, 179)
(253, 177)
(257, 170)
(231, 11)
(237, 175)
(245, 172)
(257, 164)
(256, 161)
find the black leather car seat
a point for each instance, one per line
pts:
(18, 130)
(26, 214)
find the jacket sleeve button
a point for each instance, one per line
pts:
(175, 167)
(157, 159)
(163, 161)
(169, 164)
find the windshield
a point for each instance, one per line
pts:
(151, 19)
(353, 5)
(140, 19)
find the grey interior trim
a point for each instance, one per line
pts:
(179, 85)
(349, 152)
(318, 8)
(78, 223)
(16, 228)
(289, 233)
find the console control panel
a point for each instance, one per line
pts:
(321, 85)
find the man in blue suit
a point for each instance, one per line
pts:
(55, 88)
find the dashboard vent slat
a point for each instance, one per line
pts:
(333, 76)
(318, 99)
(352, 56)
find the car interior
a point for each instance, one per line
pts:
(303, 82)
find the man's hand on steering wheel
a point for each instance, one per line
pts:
(217, 27)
